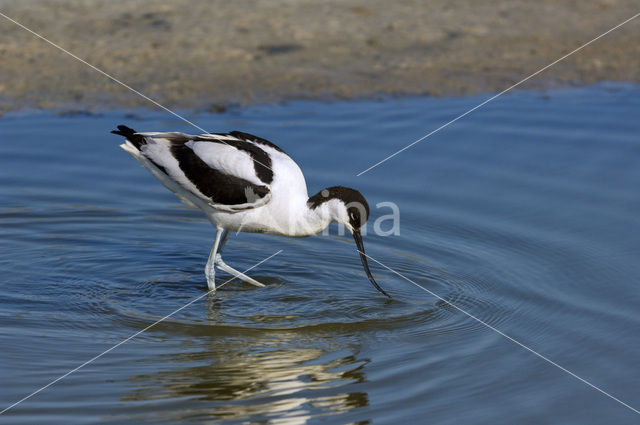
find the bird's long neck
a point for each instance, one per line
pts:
(314, 218)
(290, 215)
(308, 216)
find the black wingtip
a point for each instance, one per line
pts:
(130, 134)
(123, 130)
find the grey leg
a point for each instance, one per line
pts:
(225, 268)
(225, 236)
(209, 269)
(215, 260)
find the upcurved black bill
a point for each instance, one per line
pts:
(358, 238)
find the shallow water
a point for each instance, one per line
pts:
(523, 214)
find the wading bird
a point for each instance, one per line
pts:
(244, 183)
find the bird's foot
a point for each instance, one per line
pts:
(224, 267)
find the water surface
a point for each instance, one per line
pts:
(524, 214)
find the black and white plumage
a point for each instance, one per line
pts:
(244, 183)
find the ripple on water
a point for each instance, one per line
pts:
(523, 215)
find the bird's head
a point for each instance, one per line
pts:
(348, 207)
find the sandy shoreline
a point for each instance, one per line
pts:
(200, 54)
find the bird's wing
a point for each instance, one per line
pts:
(228, 173)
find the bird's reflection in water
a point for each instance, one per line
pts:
(239, 373)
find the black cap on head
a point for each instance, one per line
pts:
(357, 206)
(358, 212)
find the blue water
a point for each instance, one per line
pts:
(524, 214)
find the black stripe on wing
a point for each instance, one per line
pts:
(255, 139)
(221, 188)
(261, 159)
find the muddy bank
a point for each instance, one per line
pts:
(203, 54)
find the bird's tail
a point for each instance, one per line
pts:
(130, 134)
